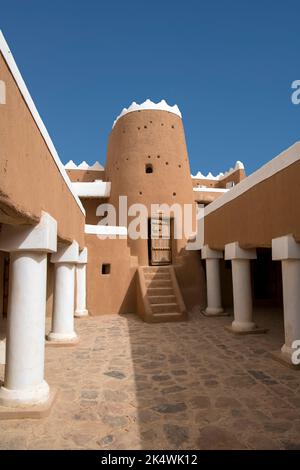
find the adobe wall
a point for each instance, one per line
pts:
(86, 176)
(268, 210)
(114, 293)
(206, 197)
(90, 205)
(30, 180)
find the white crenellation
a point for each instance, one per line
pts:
(238, 166)
(148, 104)
(83, 166)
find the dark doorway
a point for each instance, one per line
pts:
(266, 279)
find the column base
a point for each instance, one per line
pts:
(245, 329)
(214, 312)
(62, 339)
(284, 356)
(81, 313)
(2, 351)
(30, 411)
(28, 396)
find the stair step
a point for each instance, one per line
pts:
(168, 317)
(157, 276)
(162, 299)
(156, 269)
(158, 283)
(165, 308)
(153, 291)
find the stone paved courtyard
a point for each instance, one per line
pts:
(131, 385)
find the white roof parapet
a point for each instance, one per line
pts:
(92, 189)
(238, 166)
(105, 230)
(96, 166)
(210, 190)
(71, 165)
(83, 166)
(9, 59)
(148, 104)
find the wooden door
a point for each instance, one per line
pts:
(161, 253)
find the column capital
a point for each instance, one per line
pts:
(39, 237)
(208, 253)
(234, 251)
(66, 253)
(284, 248)
(83, 256)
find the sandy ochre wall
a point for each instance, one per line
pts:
(86, 176)
(268, 210)
(30, 181)
(112, 293)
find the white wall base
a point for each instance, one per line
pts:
(63, 337)
(38, 394)
(81, 313)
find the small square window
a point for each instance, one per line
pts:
(105, 269)
(148, 168)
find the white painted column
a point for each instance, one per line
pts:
(81, 310)
(24, 372)
(62, 330)
(213, 282)
(1, 284)
(287, 250)
(241, 282)
(2, 321)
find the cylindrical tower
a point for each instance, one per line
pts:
(147, 161)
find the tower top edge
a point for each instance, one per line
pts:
(149, 105)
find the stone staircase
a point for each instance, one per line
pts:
(161, 297)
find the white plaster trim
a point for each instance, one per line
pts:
(70, 165)
(83, 166)
(148, 104)
(34, 112)
(210, 190)
(105, 230)
(238, 166)
(234, 251)
(208, 253)
(2, 92)
(96, 166)
(37, 394)
(285, 247)
(282, 161)
(63, 337)
(66, 253)
(92, 189)
(40, 237)
(83, 256)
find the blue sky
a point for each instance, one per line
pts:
(228, 64)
